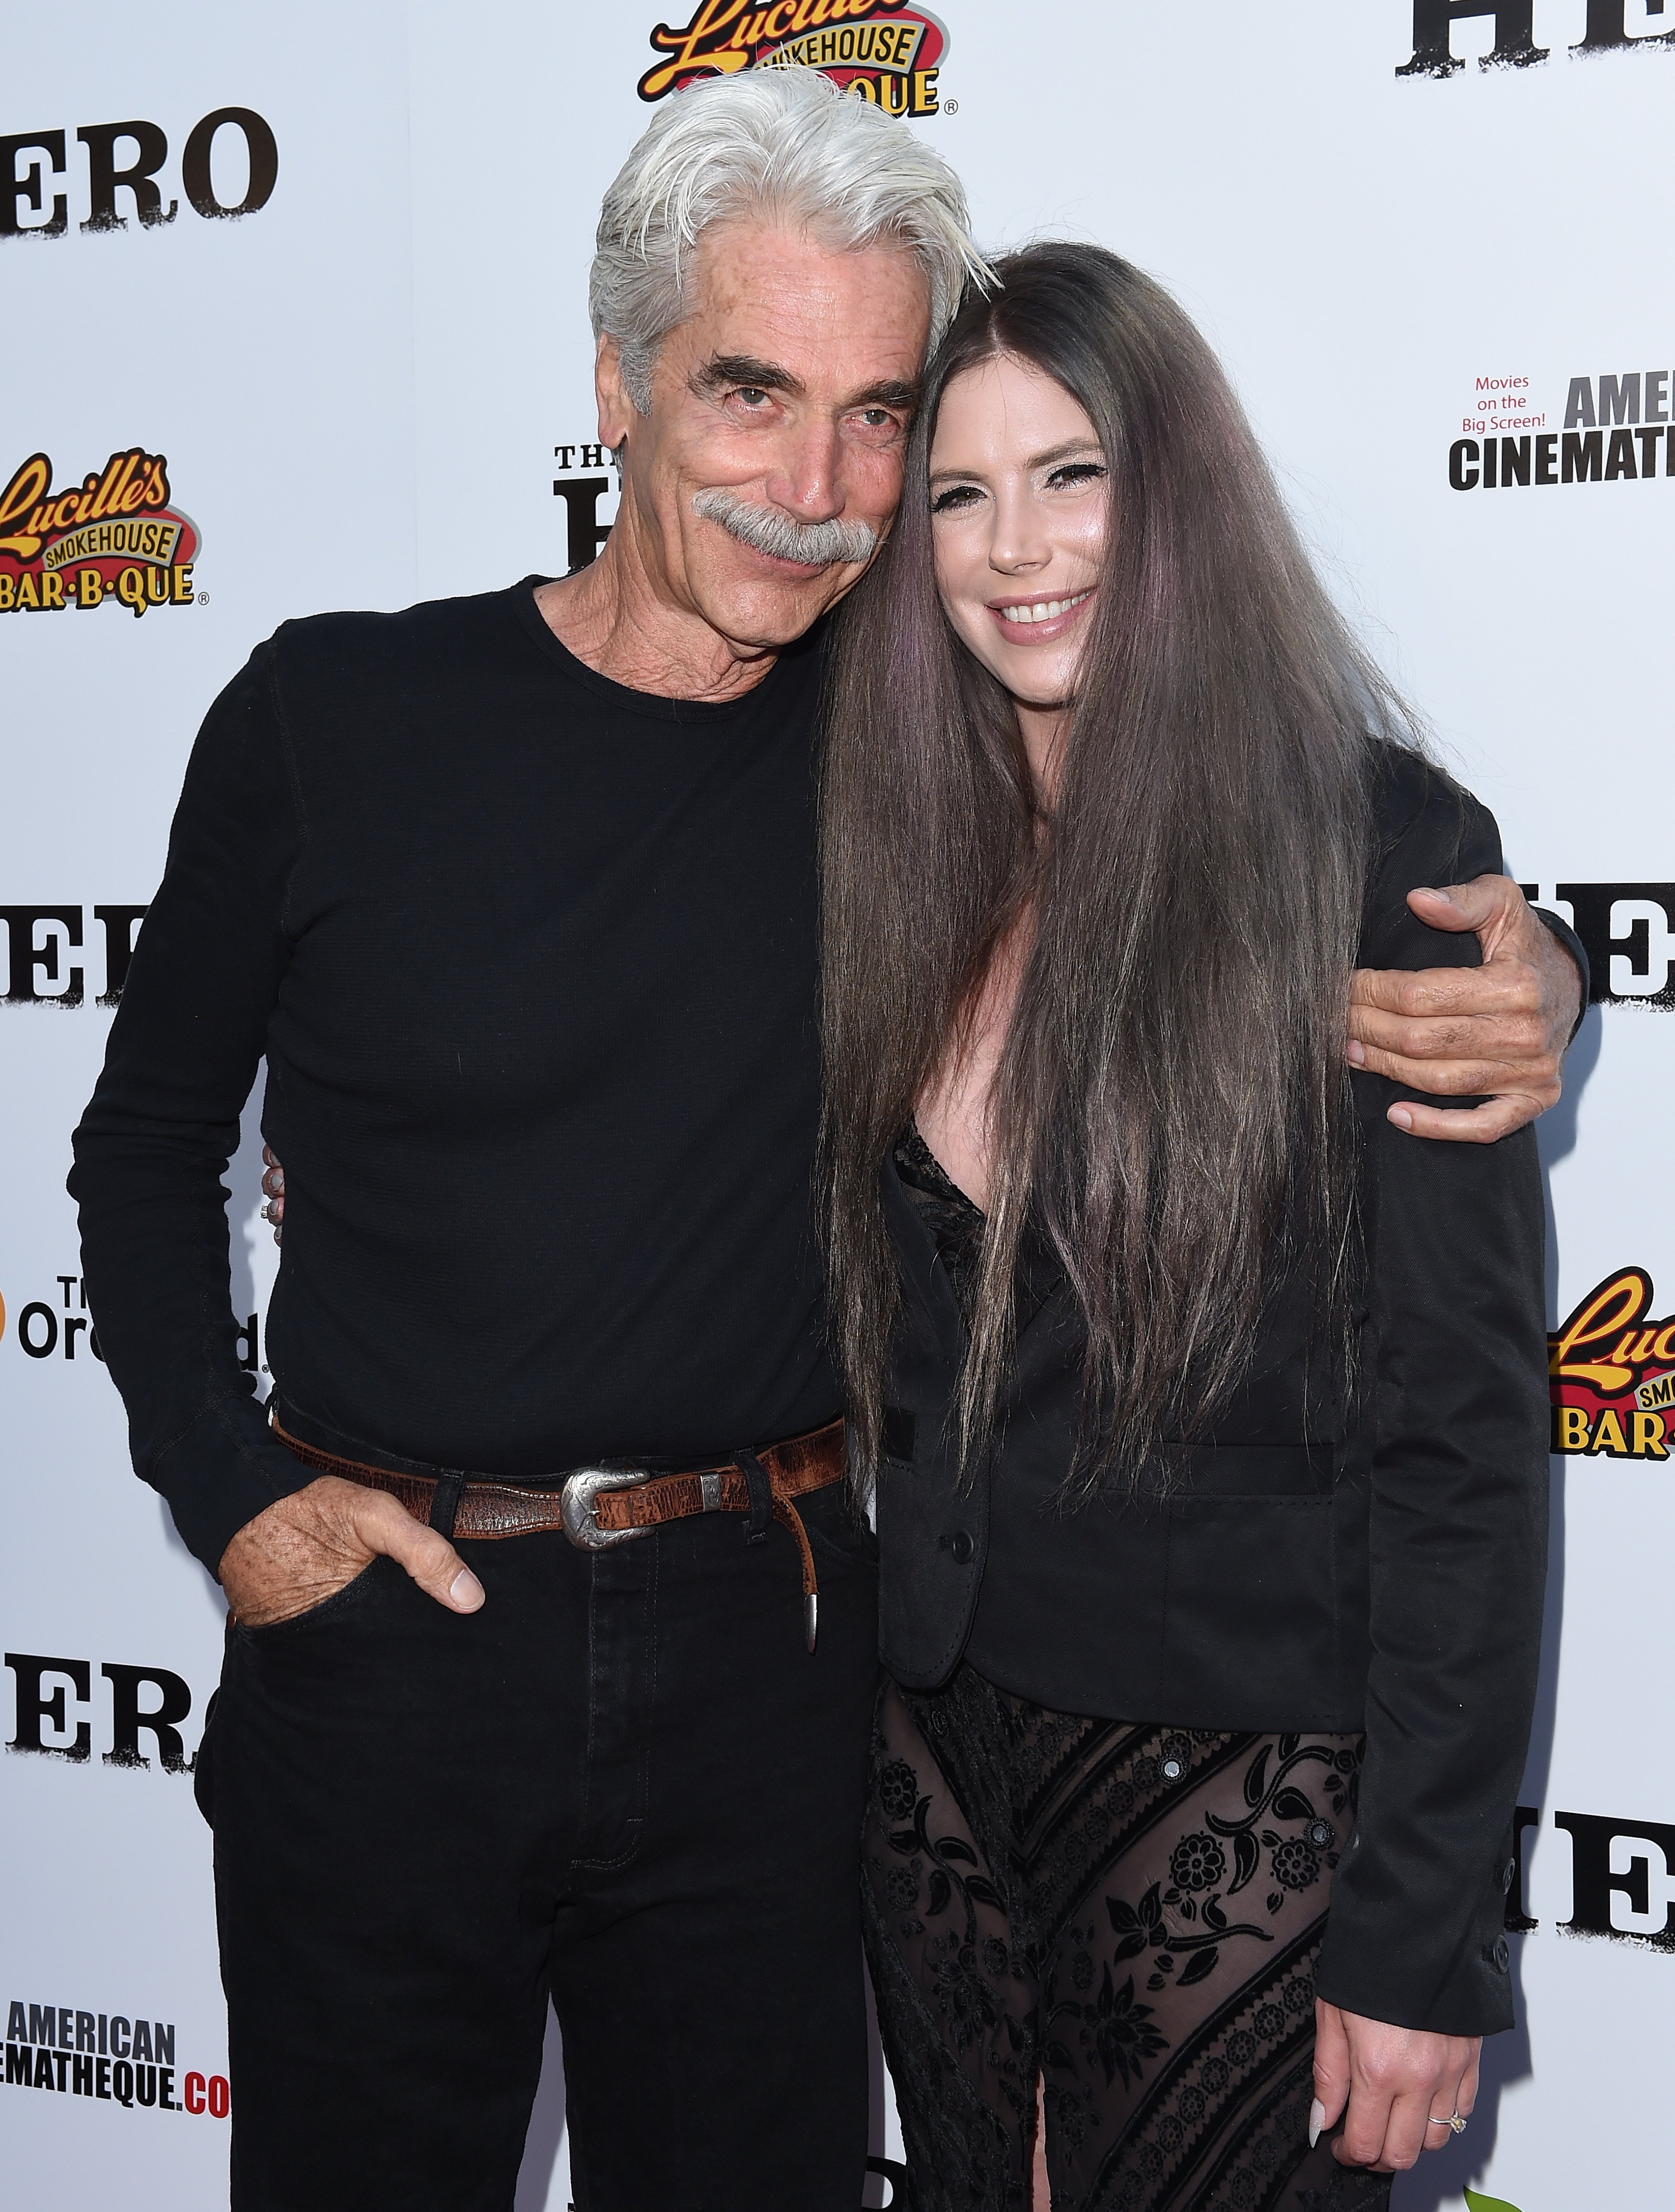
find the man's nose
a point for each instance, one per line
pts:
(807, 478)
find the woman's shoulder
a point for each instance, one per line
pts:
(1427, 829)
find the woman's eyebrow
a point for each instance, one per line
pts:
(1035, 461)
(1063, 452)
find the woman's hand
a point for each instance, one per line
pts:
(1401, 2087)
(273, 1183)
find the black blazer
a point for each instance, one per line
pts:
(1333, 1558)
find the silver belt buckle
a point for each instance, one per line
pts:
(576, 1504)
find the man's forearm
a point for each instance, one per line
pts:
(155, 1258)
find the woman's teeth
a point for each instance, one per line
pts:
(1044, 610)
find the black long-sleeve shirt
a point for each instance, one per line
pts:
(532, 960)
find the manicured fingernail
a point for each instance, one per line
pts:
(1401, 1117)
(1355, 1053)
(465, 1591)
(1317, 2120)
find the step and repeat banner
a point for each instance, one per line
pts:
(294, 301)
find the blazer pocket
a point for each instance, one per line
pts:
(1252, 1612)
(897, 1432)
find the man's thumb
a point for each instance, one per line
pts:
(1459, 906)
(429, 1558)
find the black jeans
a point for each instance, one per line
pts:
(625, 1781)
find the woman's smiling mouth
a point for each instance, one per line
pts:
(1039, 619)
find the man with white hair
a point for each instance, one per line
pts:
(516, 894)
(551, 1646)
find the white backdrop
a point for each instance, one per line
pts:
(364, 390)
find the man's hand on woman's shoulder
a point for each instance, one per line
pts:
(1498, 1032)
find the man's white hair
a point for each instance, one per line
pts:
(787, 143)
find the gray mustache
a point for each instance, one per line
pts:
(815, 543)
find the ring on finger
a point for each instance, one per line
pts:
(1452, 2121)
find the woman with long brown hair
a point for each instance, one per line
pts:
(1205, 1407)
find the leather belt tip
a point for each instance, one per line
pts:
(811, 1619)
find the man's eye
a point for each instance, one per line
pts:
(877, 418)
(751, 395)
(956, 496)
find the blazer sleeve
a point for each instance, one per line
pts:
(1451, 1440)
(155, 1141)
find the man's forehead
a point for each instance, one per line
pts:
(758, 289)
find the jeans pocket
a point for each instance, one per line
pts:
(344, 1600)
(204, 1784)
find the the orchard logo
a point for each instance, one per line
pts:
(114, 537)
(1612, 1373)
(881, 52)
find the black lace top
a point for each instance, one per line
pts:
(951, 1217)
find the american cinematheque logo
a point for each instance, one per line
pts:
(107, 2057)
(114, 537)
(1611, 1366)
(889, 55)
(1613, 427)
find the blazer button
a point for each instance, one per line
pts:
(1507, 1873)
(961, 1546)
(1498, 1955)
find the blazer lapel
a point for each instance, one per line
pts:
(917, 1250)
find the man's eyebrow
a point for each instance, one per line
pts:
(1035, 461)
(745, 368)
(892, 392)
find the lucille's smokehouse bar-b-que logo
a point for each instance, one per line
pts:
(114, 536)
(886, 53)
(1612, 1373)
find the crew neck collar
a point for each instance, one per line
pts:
(651, 704)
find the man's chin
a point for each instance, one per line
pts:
(766, 612)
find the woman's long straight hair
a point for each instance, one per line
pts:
(1171, 1100)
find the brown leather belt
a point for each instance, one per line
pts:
(598, 1506)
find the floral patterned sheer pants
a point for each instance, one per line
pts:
(1132, 1914)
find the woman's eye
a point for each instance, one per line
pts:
(1076, 473)
(956, 496)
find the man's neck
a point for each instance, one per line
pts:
(611, 617)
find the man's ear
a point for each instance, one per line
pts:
(616, 411)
